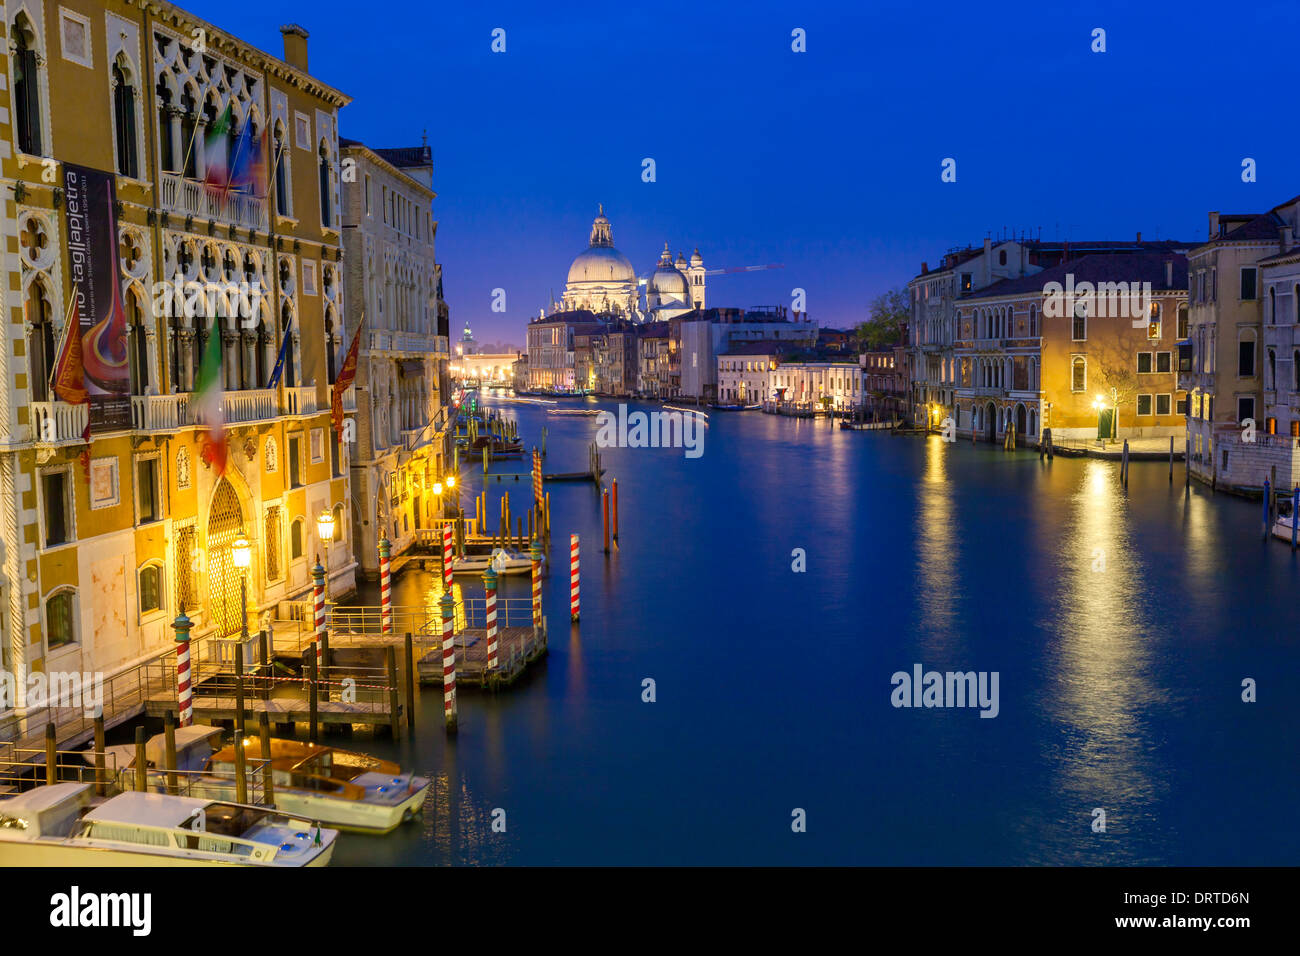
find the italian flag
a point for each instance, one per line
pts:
(216, 151)
(208, 404)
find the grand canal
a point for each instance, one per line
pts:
(1121, 623)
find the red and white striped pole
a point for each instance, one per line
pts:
(318, 599)
(537, 485)
(184, 688)
(446, 558)
(449, 661)
(490, 603)
(536, 554)
(385, 586)
(573, 577)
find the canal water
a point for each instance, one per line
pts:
(1121, 625)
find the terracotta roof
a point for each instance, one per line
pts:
(1106, 267)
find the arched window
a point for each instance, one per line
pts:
(1002, 257)
(189, 121)
(289, 374)
(166, 148)
(60, 619)
(338, 522)
(150, 589)
(135, 320)
(40, 341)
(1272, 370)
(295, 539)
(124, 122)
(1078, 374)
(326, 188)
(1033, 320)
(280, 157)
(1295, 370)
(1153, 326)
(1272, 305)
(27, 88)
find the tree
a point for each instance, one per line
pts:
(1118, 381)
(889, 313)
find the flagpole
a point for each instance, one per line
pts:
(63, 339)
(185, 162)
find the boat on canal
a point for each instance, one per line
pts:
(507, 561)
(737, 407)
(342, 788)
(63, 824)
(346, 789)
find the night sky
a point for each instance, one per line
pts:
(827, 161)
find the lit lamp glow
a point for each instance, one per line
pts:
(437, 488)
(241, 553)
(451, 481)
(325, 525)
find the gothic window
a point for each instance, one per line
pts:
(166, 148)
(40, 341)
(124, 121)
(326, 187)
(139, 342)
(27, 92)
(60, 624)
(189, 128)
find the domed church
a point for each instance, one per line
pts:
(602, 280)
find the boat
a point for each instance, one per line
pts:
(63, 824)
(737, 407)
(588, 412)
(1283, 523)
(503, 560)
(343, 788)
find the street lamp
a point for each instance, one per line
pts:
(325, 532)
(241, 553)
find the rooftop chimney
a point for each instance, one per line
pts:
(1287, 235)
(1139, 240)
(925, 267)
(1214, 224)
(295, 46)
(1169, 273)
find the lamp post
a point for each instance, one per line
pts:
(437, 493)
(325, 531)
(242, 553)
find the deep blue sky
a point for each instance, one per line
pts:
(827, 161)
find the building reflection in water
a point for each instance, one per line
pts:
(936, 568)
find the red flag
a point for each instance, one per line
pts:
(345, 378)
(68, 377)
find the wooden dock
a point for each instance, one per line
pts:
(517, 647)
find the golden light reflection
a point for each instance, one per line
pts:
(1099, 657)
(936, 567)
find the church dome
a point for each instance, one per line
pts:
(668, 281)
(601, 264)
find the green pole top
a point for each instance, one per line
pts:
(448, 604)
(385, 547)
(490, 578)
(318, 572)
(182, 624)
(535, 552)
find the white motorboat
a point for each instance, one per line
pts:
(502, 560)
(63, 825)
(344, 788)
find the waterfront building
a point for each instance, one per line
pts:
(519, 373)
(400, 446)
(99, 558)
(1031, 355)
(932, 369)
(883, 379)
(744, 371)
(831, 381)
(483, 368)
(706, 334)
(551, 356)
(1239, 360)
(655, 347)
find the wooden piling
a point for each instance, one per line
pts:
(239, 690)
(1268, 493)
(604, 495)
(409, 663)
(1187, 464)
(52, 754)
(614, 503)
(390, 668)
(1171, 459)
(519, 533)
(268, 772)
(241, 770)
(169, 754)
(263, 648)
(141, 762)
(312, 700)
(101, 778)
(1123, 466)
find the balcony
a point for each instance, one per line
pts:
(250, 405)
(190, 197)
(300, 400)
(159, 413)
(55, 423)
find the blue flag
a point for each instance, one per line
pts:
(280, 359)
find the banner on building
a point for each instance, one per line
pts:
(91, 219)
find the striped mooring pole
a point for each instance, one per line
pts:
(573, 577)
(536, 554)
(448, 605)
(537, 482)
(446, 558)
(184, 689)
(1295, 515)
(318, 602)
(490, 615)
(385, 586)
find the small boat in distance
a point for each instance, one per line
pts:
(62, 825)
(737, 407)
(510, 561)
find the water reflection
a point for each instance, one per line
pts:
(1100, 667)
(935, 562)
